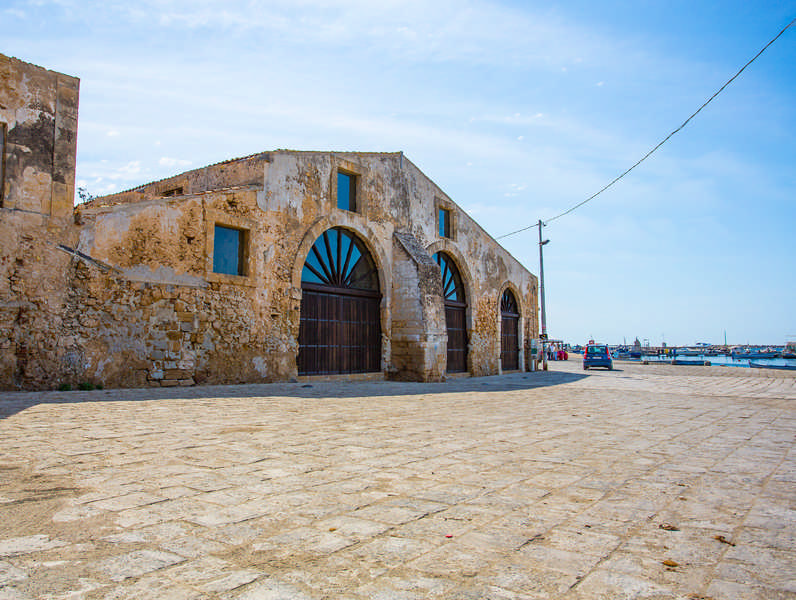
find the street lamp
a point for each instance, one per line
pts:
(543, 334)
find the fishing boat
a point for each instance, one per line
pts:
(755, 365)
(688, 361)
(749, 353)
(687, 352)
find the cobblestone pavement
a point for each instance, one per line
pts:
(644, 482)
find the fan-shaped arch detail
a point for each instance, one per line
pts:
(452, 286)
(508, 304)
(339, 259)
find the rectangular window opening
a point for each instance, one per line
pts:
(229, 250)
(444, 223)
(173, 192)
(346, 191)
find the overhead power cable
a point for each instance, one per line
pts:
(662, 142)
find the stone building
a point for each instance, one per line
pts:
(261, 268)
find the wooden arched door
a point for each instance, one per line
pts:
(455, 313)
(340, 323)
(509, 332)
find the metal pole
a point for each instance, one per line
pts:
(541, 293)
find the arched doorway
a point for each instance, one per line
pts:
(455, 313)
(509, 332)
(340, 324)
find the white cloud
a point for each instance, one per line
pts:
(475, 31)
(112, 133)
(166, 161)
(129, 172)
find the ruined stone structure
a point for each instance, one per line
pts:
(38, 137)
(262, 268)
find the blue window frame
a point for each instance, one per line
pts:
(444, 223)
(229, 250)
(346, 191)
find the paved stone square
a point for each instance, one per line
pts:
(644, 482)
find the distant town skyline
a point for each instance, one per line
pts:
(518, 110)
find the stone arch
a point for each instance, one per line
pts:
(365, 234)
(368, 237)
(455, 315)
(510, 286)
(448, 247)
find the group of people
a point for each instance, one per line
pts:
(555, 352)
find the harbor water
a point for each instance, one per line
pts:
(725, 360)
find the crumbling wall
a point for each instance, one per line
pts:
(39, 110)
(238, 172)
(418, 315)
(34, 283)
(161, 316)
(38, 113)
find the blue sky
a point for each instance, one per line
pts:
(518, 110)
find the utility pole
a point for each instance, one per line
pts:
(543, 333)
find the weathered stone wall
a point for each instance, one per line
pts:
(39, 110)
(33, 293)
(123, 293)
(38, 115)
(418, 334)
(141, 304)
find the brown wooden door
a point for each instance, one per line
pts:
(509, 344)
(509, 332)
(340, 323)
(456, 321)
(339, 333)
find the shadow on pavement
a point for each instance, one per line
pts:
(14, 402)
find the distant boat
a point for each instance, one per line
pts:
(755, 365)
(754, 354)
(686, 361)
(688, 352)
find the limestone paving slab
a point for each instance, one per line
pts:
(650, 481)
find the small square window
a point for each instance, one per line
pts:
(229, 251)
(346, 191)
(444, 223)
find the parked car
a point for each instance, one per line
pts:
(597, 355)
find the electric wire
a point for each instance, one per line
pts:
(661, 143)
